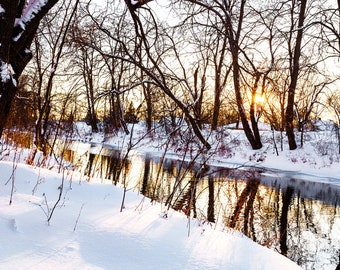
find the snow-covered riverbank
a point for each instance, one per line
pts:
(88, 231)
(318, 157)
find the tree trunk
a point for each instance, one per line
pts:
(89, 86)
(295, 68)
(233, 39)
(254, 141)
(7, 93)
(14, 50)
(148, 99)
(253, 117)
(219, 81)
(211, 201)
(198, 95)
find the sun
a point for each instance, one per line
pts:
(259, 99)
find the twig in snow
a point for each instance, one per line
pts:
(12, 177)
(61, 188)
(77, 220)
(140, 205)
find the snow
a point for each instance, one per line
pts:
(88, 231)
(319, 155)
(32, 8)
(7, 72)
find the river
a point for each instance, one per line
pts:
(294, 214)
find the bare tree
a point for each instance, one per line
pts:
(212, 50)
(107, 79)
(87, 61)
(333, 101)
(231, 28)
(308, 101)
(146, 38)
(22, 109)
(159, 76)
(297, 74)
(54, 39)
(330, 27)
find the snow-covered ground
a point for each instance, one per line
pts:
(87, 230)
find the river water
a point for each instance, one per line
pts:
(293, 214)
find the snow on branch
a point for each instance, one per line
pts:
(6, 72)
(139, 3)
(2, 10)
(32, 8)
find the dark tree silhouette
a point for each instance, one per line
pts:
(18, 26)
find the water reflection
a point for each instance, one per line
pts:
(296, 217)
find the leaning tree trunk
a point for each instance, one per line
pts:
(15, 42)
(254, 139)
(159, 79)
